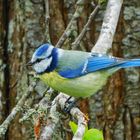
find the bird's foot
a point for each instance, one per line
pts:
(69, 104)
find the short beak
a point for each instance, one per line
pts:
(29, 63)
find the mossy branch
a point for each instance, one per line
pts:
(4, 126)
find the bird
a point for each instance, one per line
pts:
(76, 73)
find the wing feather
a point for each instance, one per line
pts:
(93, 63)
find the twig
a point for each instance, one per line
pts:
(109, 25)
(86, 27)
(4, 126)
(54, 118)
(47, 9)
(82, 123)
(76, 113)
(47, 18)
(68, 30)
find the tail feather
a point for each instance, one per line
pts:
(130, 63)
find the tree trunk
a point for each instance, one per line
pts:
(26, 24)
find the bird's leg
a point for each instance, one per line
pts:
(69, 104)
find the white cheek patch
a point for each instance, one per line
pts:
(42, 65)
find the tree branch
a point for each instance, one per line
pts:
(54, 118)
(47, 18)
(86, 28)
(109, 25)
(4, 126)
(82, 123)
(68, 30)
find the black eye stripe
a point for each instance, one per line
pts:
(49, 56)
(38, 60)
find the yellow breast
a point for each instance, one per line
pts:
(52, 78)
(83, 86)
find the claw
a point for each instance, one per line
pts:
(69, 104)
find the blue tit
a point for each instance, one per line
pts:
(76, 73)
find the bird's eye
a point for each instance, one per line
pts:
(38, 60)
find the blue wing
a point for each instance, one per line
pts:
(93, 63)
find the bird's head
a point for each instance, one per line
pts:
(44, 59)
